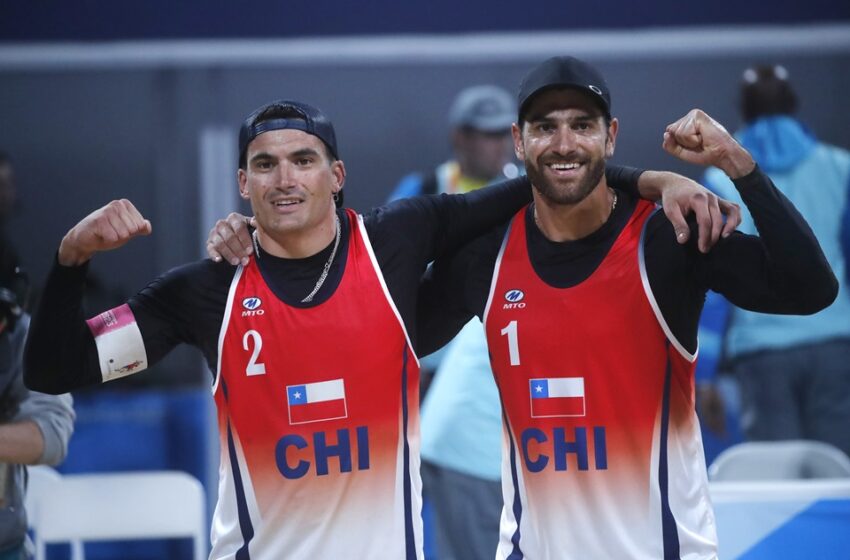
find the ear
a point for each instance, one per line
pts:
(519, 149)
(338, 172)
(242, 179)
(611, 141)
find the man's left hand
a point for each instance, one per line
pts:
(683, 196)
(680, 196)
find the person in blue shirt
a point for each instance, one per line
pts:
(793, 371)
(461, 414)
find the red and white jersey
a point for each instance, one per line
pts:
(318, 413)
(602, 453)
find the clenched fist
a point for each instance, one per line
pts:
(104, 229)
(697, 138)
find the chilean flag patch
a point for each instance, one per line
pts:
(314, 402)
(557, 396)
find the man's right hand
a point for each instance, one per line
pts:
(104, 229)
(697, 138)
(229, 239)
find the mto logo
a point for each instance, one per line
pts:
(514, 296)
(251, 303)
(514, 299)
(252, 306)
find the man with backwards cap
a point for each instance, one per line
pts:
(591, 309)
(315, 376)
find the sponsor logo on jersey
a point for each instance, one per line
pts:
(252, 307)
(514, 295)
(514, 299)
(252, 303)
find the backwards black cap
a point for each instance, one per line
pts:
(563, 72)
(306, 118)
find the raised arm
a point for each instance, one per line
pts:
(104, 229)
(783, 270)
(61, 354)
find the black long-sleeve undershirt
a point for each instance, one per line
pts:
(781, 271)
(187, 304)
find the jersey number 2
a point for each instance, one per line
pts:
(254, 367)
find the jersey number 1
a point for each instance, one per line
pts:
(513, 343)
(254, 367)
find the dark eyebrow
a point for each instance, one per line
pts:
(534, 119)
(261, 156)
(303, 152)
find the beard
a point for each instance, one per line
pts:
(565, 194)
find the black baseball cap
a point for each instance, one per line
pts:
(307, 118)
(563, 72)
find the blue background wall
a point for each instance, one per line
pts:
(95, 20)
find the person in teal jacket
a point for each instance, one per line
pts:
(793, 371)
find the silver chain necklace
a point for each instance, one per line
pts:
(613, 206)
(326, 268)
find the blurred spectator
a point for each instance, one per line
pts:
(34, 428)
(481, 118)
(793, 372)
(8, 198)
(461, 415)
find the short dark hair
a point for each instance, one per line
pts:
(765, 90)
(5, 158)
(280, 111)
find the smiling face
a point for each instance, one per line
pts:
(290, 181)
(564, 143)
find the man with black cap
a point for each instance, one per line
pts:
(315, 376)
(591, 308)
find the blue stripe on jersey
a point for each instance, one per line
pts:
(516, 553)
(409, 539)
(241, 504)
(668, 522)
(516, 507)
